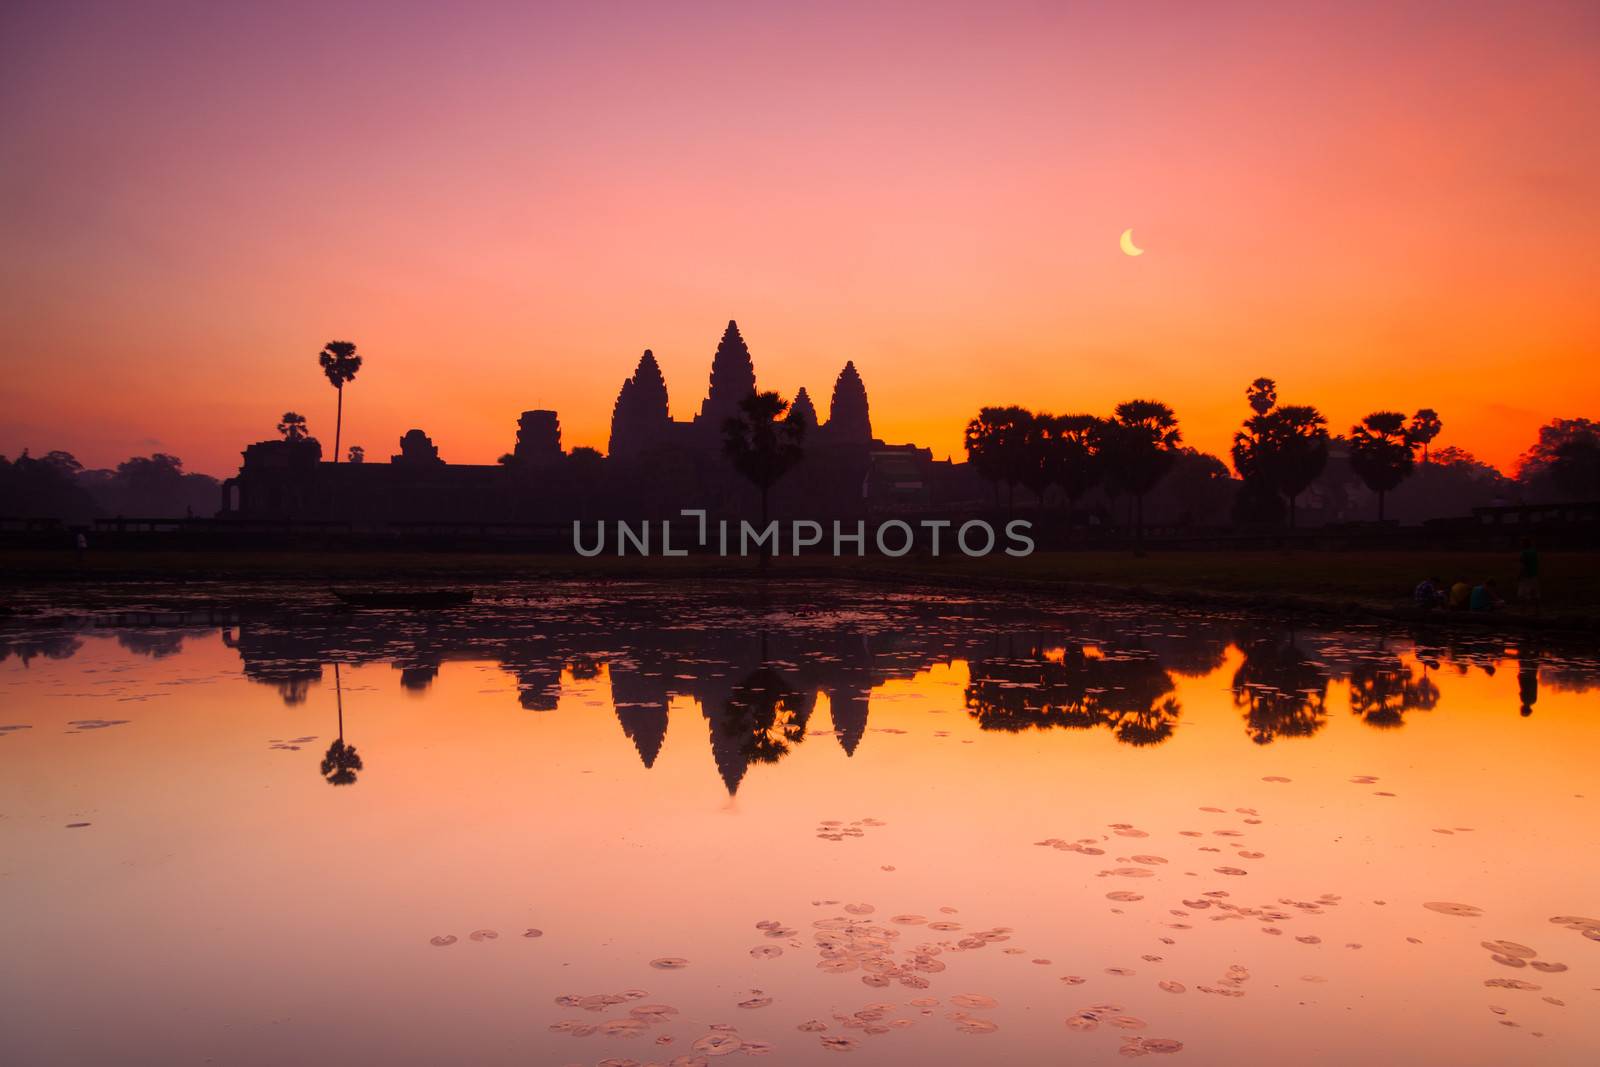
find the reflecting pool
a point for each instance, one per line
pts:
(631, 824)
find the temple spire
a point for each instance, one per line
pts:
(804, 410)
(848, 420)
(733, 377)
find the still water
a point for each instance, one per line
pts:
(638, 825)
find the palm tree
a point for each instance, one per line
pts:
(1038, 455)
(340, 363)
(292, 426)
(762, 447)
(1143, 444)
(996, 442)
(1382, 452)
(1075, 465)
(1283, 449)
(1261, 394)
(1425, 426)
(1299, 439)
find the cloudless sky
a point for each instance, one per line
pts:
(1380, 205)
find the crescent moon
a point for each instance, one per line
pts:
(1127, 244)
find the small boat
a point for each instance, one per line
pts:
(405, 599)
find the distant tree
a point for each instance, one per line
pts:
(358, 454)
(1283, 449)
(506, 459)
(1075, 460)
(1261, 394)
(763, 444)
(1039, 455)
(996, 442)
(64, 462)
(292, 426)
(1576, 468)
(340, 363)
(1564, 460)
(1142, 444)
(1382, 452)
(1200, 486)
(153, 484)
(1425, 426)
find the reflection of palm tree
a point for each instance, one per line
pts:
(767, 716)
(1148, 726)
(341, 763)
(763, 443)
(1381, 693)
(1283, 693)
(1078, 691)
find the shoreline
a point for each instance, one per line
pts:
(1327, 586)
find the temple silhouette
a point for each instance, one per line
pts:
(654, 466)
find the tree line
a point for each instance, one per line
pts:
(1278, 452)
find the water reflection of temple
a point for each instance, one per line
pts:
(758, 670)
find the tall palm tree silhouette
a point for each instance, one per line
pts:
(1076, 453)
(340, 363)
(1283, 448)
(1382, 452)
(1143, 439)
(763, 444)
(341, 763)
(996, 443)
(1425, 426)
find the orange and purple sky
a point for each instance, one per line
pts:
(1379, 205)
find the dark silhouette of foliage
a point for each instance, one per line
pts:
(763, 443)
(340, 363)
(1074, 462)
(1382, 452)
(1564, 461)
(997, 445)
(1142, 442)
(358, 454)
(45, 487)
(1039, 449)
(1262, 395)
(1282, 449)
(1425, 426)
(293, 427)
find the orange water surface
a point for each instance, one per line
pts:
(971, 831)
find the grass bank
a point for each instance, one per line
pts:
(1372, 582)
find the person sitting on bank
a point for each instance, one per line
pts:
(1484, 597)
(1429, 594)
(1460, 595)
